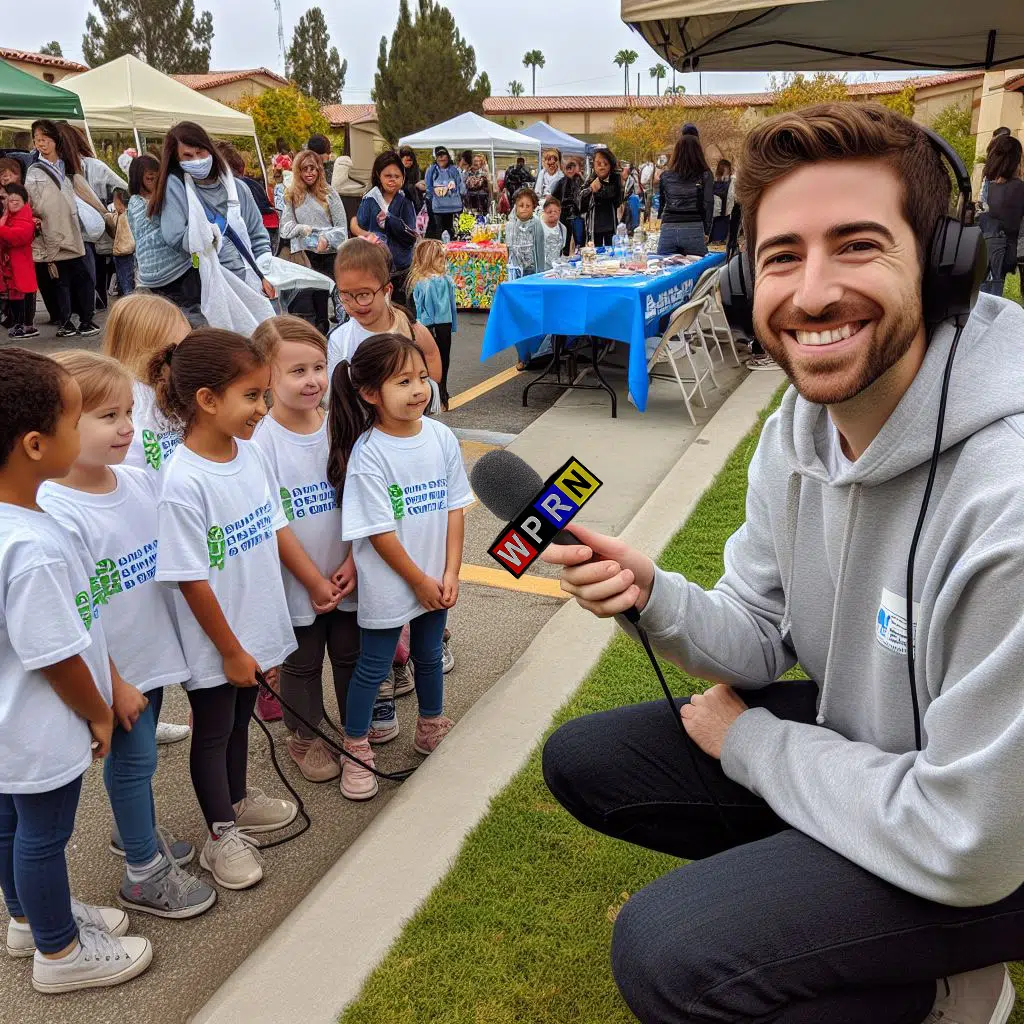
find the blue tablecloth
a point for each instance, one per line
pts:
(628, 309)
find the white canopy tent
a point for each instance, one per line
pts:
(127, 95)
(471, 131)
(841, 35)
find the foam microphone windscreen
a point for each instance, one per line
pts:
(505, 485)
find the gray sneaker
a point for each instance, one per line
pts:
(447, 658)
(403, 679)
(182, 851)
(171, 892)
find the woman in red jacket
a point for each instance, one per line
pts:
(17, 271)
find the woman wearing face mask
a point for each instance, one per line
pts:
(58, 248)
(445, 188)
(550, 173)
(314, 211)
(189, 150)
(386, 216)
(601, 197)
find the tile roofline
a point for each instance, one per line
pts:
(42, 59)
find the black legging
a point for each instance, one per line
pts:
(443, 336)
(220, 747)
(73, 289)
(322, 263)
(443, 222)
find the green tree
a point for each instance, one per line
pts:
(283, 113)
(533, 59)
(516, 88)
(52, 49)
(165, 34)
(314, 65)
(902, 102)
(676, 90)
(793, 91)
(658, 72)
(953, 123)
(428, 74)
(625, 58)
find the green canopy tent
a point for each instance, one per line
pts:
(24, 97)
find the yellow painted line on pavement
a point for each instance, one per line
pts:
(482, 388)
(502, 580)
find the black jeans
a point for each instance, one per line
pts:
(302, 686)
(186, 292)
(443, 336)
(72, 290)
(322, 263)
(443, 222)
(766, 924)
(220, 747)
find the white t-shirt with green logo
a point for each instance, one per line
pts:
(47, 614)
(299, 465)
(218, 521)
(156, 437)
(406, 485)
(118, 531)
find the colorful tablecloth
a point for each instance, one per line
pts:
(628, 309)
(477, 270)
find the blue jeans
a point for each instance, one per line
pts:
(124, 267)
(34, 830)
(128, 775)
(686, 239)
(377, 652)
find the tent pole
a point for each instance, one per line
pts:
(263, 166)
(138, 141)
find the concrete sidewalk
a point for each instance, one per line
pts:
(312, 965)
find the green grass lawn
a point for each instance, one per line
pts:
(519, 930)
(1011, 290)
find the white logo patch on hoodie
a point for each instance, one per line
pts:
(891, 622)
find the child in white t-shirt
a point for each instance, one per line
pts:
(319, 579)
(403, 488)
(112, 512)
(138, 328)
(217, 523)
(55, 714)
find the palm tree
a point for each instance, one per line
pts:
(533, 59)
(658, 72)
(624, 58)
(516, 88)
(675, 90)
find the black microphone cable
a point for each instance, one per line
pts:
(397, 776)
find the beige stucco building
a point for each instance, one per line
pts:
(41, 65)
(230, 86)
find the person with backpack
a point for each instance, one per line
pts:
(686, 200)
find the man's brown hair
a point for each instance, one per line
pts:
(846, 131)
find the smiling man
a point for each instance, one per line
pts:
(846, 875)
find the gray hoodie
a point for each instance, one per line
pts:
(818, 573)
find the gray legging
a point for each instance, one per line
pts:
(767, 924)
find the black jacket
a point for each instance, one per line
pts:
(682, 201)
(517, 177)
(567, 192)
(604, 203)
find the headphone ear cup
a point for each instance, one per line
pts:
(957, 265)
(736, 286)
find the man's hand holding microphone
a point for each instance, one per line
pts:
(607, 577)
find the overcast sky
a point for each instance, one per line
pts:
(245, 35)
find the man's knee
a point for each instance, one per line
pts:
(650, 962)
(566, 761)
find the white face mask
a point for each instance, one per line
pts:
(199, 169)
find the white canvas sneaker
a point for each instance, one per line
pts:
(99, 961)
(985, 996)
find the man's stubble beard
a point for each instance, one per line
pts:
(898, 334)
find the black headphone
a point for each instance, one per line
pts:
(956, 266)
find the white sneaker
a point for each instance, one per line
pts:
(111, 920)
(232, 860)
(985, 996)
(257, 812)
(99, 961)
(169, 732)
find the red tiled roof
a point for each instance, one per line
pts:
(340, 114)
(1014, 84)
(560, 104)
(44, 59)
(213, 78)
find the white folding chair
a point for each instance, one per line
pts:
(712, 316)
(683, 331)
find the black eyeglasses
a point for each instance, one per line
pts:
(362, 298)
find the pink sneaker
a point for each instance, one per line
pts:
(268, 707)
(402, 651)
(356, 782)
(430, 732)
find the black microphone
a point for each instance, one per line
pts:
(505, 485)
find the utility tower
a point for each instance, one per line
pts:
(280, 38)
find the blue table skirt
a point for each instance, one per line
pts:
(628, 309)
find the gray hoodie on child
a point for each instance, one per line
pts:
(817, 573)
